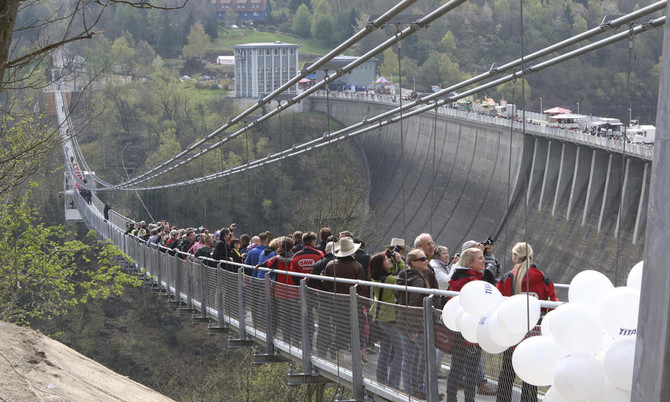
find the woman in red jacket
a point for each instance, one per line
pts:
(465, 357)
(524, 278)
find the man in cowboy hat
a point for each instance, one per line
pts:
(345, 266)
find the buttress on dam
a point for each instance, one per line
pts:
(465, 178)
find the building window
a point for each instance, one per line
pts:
(291, 51)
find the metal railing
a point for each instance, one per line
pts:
(325, 332)
(641, 151)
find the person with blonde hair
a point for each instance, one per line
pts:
(523, 278)
(466, 355)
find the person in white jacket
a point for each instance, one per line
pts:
(441, 265)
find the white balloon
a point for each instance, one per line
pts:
(618, 364)
(459, 314)
(534, 360)
(579, 376)
(499, 335)
(480, 297)
(618, 312)
(545, 327)
(589, 287)
(635, 276)
(513, 313)
(553, 395)
(449, 313)
(610, 393)
(484, 337)
(576, 328)
(608, 341)
(468, 324)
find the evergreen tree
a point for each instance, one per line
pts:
(302, 22)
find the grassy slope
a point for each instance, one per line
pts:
(233, 37)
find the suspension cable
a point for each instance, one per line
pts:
(619, 223)
(402, 136)
(368, 29)
(378, 120)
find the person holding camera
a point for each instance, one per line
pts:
(383, 313)
(441, 265)
(396, 251)
(491, 261)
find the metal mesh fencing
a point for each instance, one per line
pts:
(230, 295)
(319, 324)
(210, 286)
(171, 275)
(383, 353)
(390, 349)
(286, 313)
(254, 302)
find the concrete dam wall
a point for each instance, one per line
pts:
(459, 179)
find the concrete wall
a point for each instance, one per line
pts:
(467, 180)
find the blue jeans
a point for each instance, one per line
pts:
(389, 362)
(413, 363)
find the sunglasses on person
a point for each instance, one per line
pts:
(422, 259)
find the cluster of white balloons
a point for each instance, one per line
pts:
(587, 347)
(484, 316)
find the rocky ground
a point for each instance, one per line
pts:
(34, 367)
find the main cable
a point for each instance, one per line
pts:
(378, 121)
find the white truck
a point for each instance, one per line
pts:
(642, 134)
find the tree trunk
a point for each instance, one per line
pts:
(8, 11)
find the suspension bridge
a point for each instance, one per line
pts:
(604, 187)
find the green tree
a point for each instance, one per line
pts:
(26, 141)
(99, 56)
(125, 56)
(168, 146)
(512, 91)
(302, 22)
(323, 29)
(198, 42)
(389, 66)
(41, 272)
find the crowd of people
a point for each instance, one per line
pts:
(395, 326)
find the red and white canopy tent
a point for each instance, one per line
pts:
(382, 81)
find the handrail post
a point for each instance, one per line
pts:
(429, 339)
(168, 268)
(356, 364)
(159, 274)
(243, 339)
(203, 297)
(270, 354)
(305, 330)
(176, 299)
(220, 318)
(189, 288)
